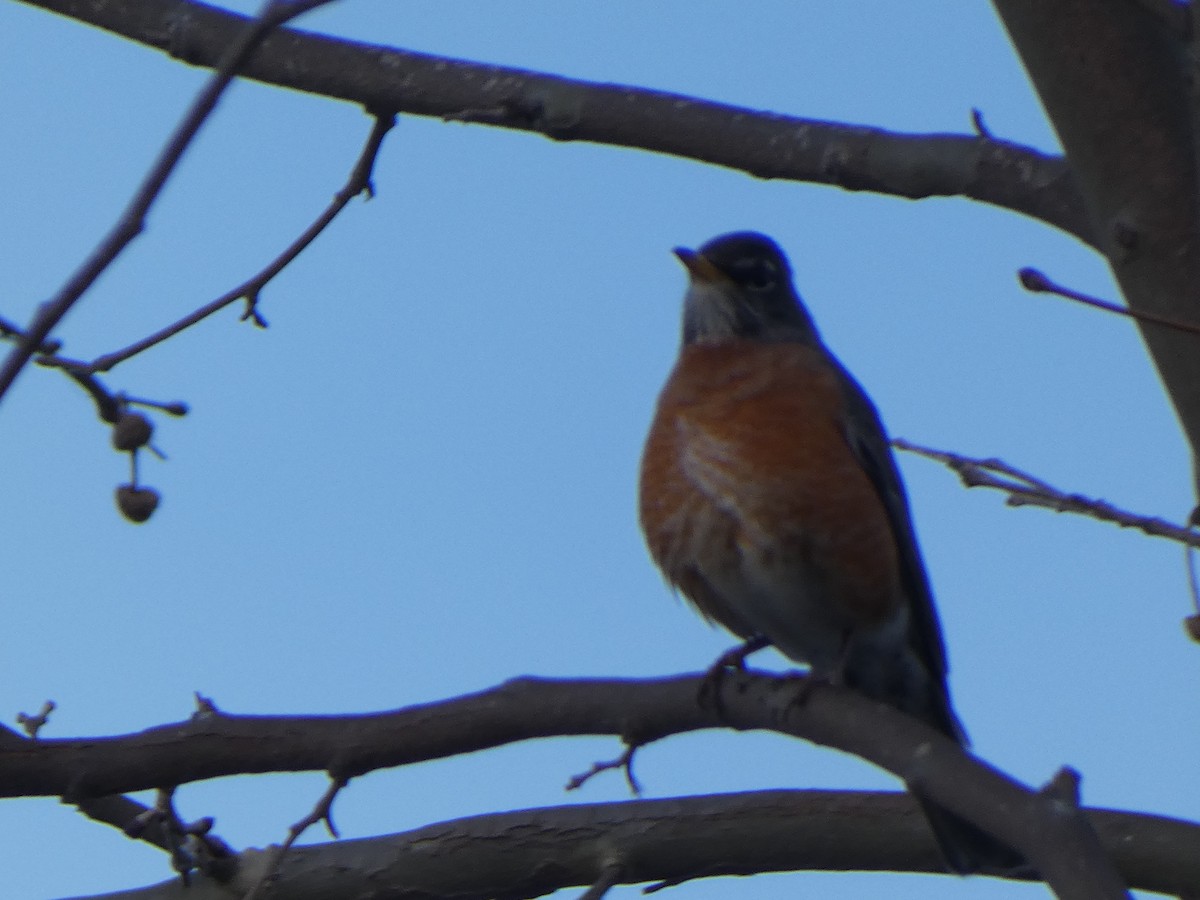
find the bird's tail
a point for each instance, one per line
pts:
(907, 685)
(967, 848)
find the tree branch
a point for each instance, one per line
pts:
(1052, 836)
(528, 853)
(1024, 489)
(358, 182)
(1038, 282)
(1116, 86)
(231, 56)
(763, 144)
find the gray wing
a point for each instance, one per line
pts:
(870, 443)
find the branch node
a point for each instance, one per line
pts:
(1126, 236)
(321, 812)
(1037, 282)
(609, 875)
(132, 220)
(251, 311)
(979, 125)
(623, 762)
(1024, 489)
(206, 707)
(33, 724)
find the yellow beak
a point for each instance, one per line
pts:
(699, 267)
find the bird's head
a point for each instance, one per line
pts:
(741, 288)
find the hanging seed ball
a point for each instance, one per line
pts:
(1192, 626)
(132, 430)
(136, 504)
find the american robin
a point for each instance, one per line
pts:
(770, 498)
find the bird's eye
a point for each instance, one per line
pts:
(757, 274)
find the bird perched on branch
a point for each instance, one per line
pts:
(769, 496)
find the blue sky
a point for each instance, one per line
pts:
(420, 480)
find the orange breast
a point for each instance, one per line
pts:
(747, 471)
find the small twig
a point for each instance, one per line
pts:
(136, 820)
(33, 724)
(133, 219)
(358, 182)
(251, 313)
(175, 408)
(1063, 787)
(979, 125)
(11, 331)
(623, 762)
(669, 883)
(321, 812)
(181, 839)
(605, 881)
(1024, 489)
(108, 405)
(1037, 282)
(1191, 624)
(206, 707)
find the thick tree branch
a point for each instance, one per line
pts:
(1053, 836)
(528, 853)
(1115, 83)
(763, 144)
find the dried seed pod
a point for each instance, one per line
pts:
(136, 504)
(132, 430)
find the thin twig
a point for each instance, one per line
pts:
(13, 332)
(358, 182)
(605, 881)
(1024, 489)
(1191, 624)
(669, 883)
(624, 762)
(979, 125)
(1039, 283)
(136, 820)
(321, 812)
(35, 723)
(177, 833)
(108, 405)
(133, 220)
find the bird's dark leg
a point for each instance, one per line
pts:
(733, 660)
(836, 677)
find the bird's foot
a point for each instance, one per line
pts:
(733, 660)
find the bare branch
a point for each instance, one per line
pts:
(108, 405)
(638, 711)
(321, 812)
(763, 144)
(624, 762)
(1038, 282)
(529, 853)
(1120, 92)
(133, 220)
(1024, 489)
(359, 182)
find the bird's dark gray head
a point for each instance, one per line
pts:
(741, 287)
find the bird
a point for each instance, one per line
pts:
(769, 497)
